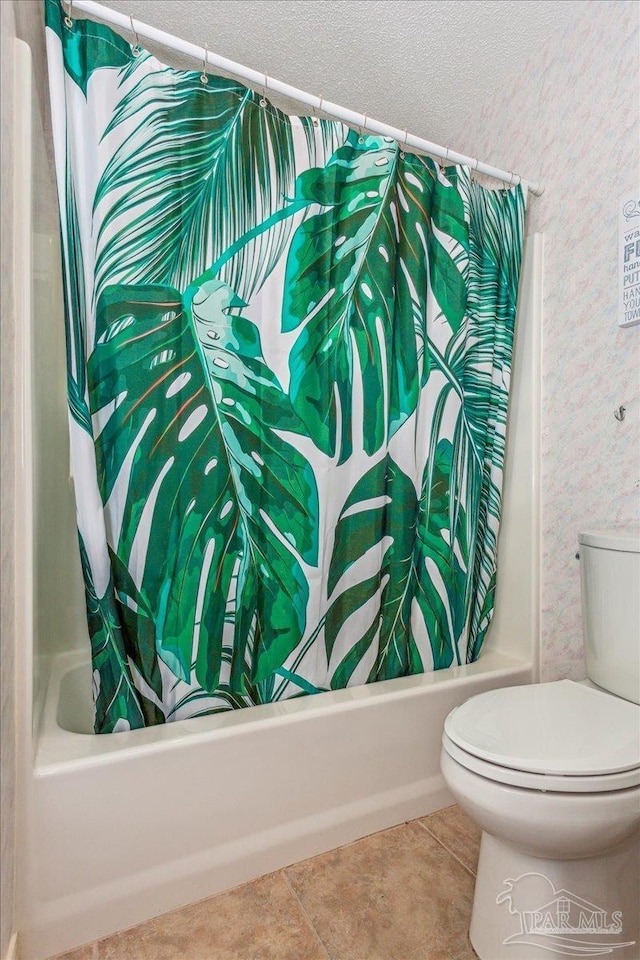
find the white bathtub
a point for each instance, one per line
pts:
(130, 825)
(118, 828)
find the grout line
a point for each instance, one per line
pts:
(445, 847)
(305, 914)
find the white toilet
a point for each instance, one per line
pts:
(551, 772)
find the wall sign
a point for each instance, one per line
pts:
(629, 260)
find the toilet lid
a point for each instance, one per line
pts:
(560, 728)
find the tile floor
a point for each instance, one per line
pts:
(402, 894)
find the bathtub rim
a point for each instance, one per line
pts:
(57, 747)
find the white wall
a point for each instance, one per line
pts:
(570, 119)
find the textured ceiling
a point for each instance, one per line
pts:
(426, 65)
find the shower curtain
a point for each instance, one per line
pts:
(289, 349)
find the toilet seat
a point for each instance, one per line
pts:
(545, 782)
(558, 736)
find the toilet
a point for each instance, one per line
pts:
(551, 773)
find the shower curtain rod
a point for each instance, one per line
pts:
(99, 11)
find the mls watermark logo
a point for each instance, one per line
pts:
(559, 921)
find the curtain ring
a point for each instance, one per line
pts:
(362, 126)
(316, 119)
(402, 152)
(136, 49)
(68, 20)
(444, 160)
(203, 76)
(507, 186)
(263, 98)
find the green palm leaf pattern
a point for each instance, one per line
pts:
(87, 46)
(379, 512)
(199, 166)
(202, 447)
(356, 285)
(420, 538)
(439, 556)
(289, 350)
(118, 704)
(74, 302)
(495, 254)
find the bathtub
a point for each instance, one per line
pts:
(130, 825)
(119, 828)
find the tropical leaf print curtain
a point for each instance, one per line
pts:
(289, 349)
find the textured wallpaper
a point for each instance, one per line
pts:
(570, 120)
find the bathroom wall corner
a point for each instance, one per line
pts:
(8, 751)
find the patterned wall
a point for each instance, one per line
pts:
(570, 120)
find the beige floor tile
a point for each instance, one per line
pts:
(457, 832)
(398, 895)
(258, 921)
(81, 953)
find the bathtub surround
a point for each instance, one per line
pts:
(288, 371)
(580, 96)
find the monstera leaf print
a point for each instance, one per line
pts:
(275, 485)
(379, 512)
(433, 237)
(204, 500)
(417, 538)
(368, 241)
(339, 290)
(451, 573)
(288, 350)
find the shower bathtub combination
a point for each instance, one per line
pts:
(116, 829)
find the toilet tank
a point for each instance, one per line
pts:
(610, 584)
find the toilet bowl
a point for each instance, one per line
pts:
(533, 767)
(551, 773)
